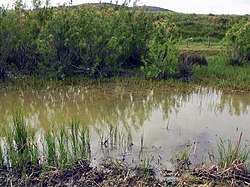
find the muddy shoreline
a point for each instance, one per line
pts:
(81, 174)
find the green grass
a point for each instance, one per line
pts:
(221, 75)
(80, 140)
(201, 48)
(60, 148)
(230, 155)
(1, 156)
(19, 144)
(51, 149)
(62, 139)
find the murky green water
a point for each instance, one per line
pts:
(136, 123)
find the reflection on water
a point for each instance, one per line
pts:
(168, 121)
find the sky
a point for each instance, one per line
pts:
(240, 7)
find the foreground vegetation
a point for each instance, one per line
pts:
(62, 158)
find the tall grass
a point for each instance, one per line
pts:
(80, 140)
(230, 155)
(62, 139)
(19, 145)
(51, 148)
(60, 148)
(85, 150)
(68, 145)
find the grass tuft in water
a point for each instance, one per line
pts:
(85, 151)
(183, 160)
(62, 139)
(1, 156)
(229, 155)
(80, 140)
(20, 133)
(51, 148)
(21, 148)
(142, 141)
(74, 137)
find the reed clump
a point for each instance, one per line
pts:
(232, 156)
(21, 151)
(230, 166)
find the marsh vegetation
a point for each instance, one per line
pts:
(118, 125)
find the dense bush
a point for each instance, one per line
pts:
(237, 43)
(161, 61)
(95, 41)
(19, 29)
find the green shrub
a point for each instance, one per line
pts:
(161, 60)
(237, 43)
(97, 41)
(94, 42)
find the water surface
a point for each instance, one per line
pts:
(137, 123)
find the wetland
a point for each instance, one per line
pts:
(133, 123)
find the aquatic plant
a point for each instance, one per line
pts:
(230, 156)
(20, 132)
(142, 142)
(19, 149)
(51, 148)
(74, 130)
(182, 160)
(24, 152)
(80, 140)
(63, 153)
(1, 156)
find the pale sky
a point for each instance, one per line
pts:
(184, 6)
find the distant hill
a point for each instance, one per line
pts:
(154, 9)
(149, 8)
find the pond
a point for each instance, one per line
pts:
(135, 124)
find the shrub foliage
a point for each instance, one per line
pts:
(237, 43)
(89, 40)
